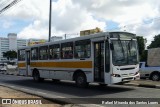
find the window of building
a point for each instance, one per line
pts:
(34, 53)
(43, 53)
(67, 50)
(21, 55)
(54, 51)
(82, 49)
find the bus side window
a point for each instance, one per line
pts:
(34, 53)
(82, 49)
(67, 50)
(54, 51)
(21, 55)
(43, 53)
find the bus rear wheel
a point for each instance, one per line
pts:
(81, 80)
(55, 80)
(36, 76)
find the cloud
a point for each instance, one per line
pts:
(6, 24)
(66, 18)
(72, 16)
(34, 30)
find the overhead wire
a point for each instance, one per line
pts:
(13, 3)
(4, 3)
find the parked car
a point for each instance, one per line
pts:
(3, 67)
(150, 72)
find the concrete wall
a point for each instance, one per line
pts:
(153, 57)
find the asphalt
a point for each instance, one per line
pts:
(58, 99)
(144, 83)
(138, 83)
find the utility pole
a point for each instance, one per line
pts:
(65, 36)
(50, 20)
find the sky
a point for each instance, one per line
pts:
(30, 18)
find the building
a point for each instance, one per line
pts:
(12, 43)
(4, 46)
(56, 38)
(90, 31)
(32, 42)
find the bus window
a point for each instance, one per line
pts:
(21, 55)
(67, 50)
(54, 51)
(82, 49)
(34, 54)
(43, 53)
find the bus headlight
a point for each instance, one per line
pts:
(136, 73)
(115, 75)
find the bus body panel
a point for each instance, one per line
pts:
(97, 68)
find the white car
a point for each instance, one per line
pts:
(3, 67)
(152, 73)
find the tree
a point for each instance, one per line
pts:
(10, 54)
(156, 42)
(143, 57)
(141, 45)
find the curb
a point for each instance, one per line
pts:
(61, 101)
(34, 93)
(143, 85)
(12, 74)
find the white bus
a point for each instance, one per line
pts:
(104, 58)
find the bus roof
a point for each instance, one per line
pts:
(101, 34)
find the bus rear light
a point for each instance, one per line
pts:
(115, 75)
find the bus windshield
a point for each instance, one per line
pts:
(124, 53)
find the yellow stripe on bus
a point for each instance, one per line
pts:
(83, 64)
(21, 65)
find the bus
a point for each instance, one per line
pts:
(103, 58)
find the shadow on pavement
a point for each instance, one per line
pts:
(68, 88)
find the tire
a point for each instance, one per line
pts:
(36, 76)
(120, 83)
(102, 85)
(81, 80)
(55, 80)
(155, 77)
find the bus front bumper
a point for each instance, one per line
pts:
(125, 79)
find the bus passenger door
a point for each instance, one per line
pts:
(28, 71)
(99, 61)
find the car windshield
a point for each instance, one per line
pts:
(124, 53)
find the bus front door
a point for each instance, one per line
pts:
(99, 61)
(28, 71)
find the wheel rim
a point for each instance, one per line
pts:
(36, 76)
(155, 77)
(80, 80)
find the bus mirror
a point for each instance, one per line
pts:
(111, 46)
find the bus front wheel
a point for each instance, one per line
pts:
(81, 80)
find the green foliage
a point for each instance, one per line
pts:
(141, 44)
(10, 54)
(143, 57)
(156, 42)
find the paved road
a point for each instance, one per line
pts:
(69, 90)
